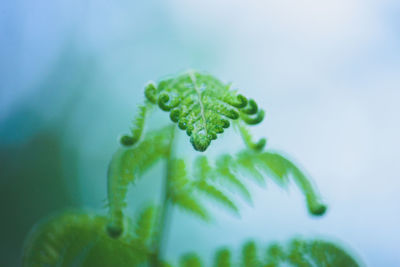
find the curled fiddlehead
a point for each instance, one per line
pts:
(202, 106)
(248, 139)
(138, 126)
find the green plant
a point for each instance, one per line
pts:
(204, 107)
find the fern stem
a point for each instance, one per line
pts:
(165, 212)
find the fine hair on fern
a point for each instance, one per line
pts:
(204, 108)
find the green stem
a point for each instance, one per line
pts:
(165, 212)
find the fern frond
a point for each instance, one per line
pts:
(223, 258)
(138, 126)
(217, 195)
(190, 260)
(127, 164)
(225, 163)
(249, 255)
(202, 106)
(181, 190)
(254, 164)
(274, 165)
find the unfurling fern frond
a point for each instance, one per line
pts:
(181, 190)
(138, 126)
(248, 139)
(127, 164)
(280, 169)
(202, 106)
(256, 165)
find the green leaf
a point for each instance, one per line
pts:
(225, 163)
(222, 258)
(249, 255)
(276, 166)
(275, 255)
(217, 195)
(190, 260)
(144, 225)
(202, 105)
(202, 168)
(246, 162)
(181, 190)
(192, 205)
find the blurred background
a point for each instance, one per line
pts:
(326, 72)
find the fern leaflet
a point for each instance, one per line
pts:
(224, 171)
(217, 195)
(249, 255)
(181, 190)
(222, 258)
(203, 171)
(190, 260)
(144, 226)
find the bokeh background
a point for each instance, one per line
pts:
(326, 72)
